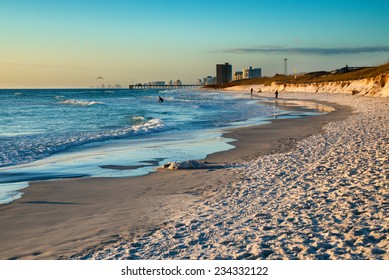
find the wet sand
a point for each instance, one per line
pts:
(61, 218)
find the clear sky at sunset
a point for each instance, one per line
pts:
(54, 43)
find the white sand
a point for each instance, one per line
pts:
(326, 199)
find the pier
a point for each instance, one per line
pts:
(164, 87)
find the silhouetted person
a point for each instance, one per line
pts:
(251, 92)
(276, 93)
(160, 99)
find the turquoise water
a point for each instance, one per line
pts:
(47, 134)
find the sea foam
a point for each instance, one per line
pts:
(79, 102)
(11, 191)
(33, 147)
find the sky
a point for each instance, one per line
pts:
(68, 44)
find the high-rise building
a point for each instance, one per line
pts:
(251, 72)
(246, 73)
(209, 80)
(223, 73)
(238, 75)
(256, 73)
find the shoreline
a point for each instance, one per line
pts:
(277, 136)
(324, 199)
(157, 198)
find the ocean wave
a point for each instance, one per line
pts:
(30, 148)
(11, 191)
(150, 125)
(79, 102)
(135, 120)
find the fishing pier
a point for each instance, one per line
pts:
(163, 87)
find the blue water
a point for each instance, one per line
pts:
(46, 134)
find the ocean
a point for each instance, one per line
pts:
(63, 133)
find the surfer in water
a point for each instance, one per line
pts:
(160, 99)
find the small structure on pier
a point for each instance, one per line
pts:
(165, 87)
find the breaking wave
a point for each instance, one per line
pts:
(25, 149)
(79, 102)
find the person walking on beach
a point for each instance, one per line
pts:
(251, 92)
(276, 93)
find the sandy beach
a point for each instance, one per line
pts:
(310, 188)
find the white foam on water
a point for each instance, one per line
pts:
(11, 191)
(29, 149)
(79, 102)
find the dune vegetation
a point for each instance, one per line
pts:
(343, 74)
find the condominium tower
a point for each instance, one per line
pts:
(223, 73)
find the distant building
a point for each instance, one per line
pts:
(238, 75)
(177, 83)
(209, 80)
(250, 73)
(256, 73)
(223, 73)
(246, 73)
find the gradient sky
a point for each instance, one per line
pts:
(54, 43)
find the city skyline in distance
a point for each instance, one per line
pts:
(55, 44)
